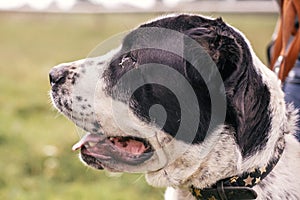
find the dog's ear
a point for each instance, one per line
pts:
(217, 39)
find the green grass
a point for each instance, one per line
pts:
(35, 141)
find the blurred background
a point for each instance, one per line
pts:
(35, 140)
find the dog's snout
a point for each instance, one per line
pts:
(58, 75)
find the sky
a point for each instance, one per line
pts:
(68, 4)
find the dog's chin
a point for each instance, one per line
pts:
(114, 153)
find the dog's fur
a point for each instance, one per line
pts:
(256, 115)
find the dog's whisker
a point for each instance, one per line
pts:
(57, 115)
(138, 179)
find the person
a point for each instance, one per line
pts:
(291, 81)
(291, 88)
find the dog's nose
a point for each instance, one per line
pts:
(58, 75)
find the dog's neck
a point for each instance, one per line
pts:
(239, 186)
(224, 158)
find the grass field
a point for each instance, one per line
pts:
(35, 141)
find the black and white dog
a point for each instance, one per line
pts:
(186, 101)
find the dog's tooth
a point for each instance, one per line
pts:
(76, 146)
(92, 144)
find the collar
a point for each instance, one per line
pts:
(239, 186)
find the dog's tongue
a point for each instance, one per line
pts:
(94, 138)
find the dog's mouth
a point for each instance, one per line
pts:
(98, 150)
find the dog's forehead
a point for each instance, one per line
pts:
(165, 36)
(179, 23)
(170, 32)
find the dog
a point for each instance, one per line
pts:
(185, 100)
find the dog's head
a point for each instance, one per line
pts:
(182, 95)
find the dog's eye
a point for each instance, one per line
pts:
(128, 61)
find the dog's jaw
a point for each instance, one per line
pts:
(202, 162)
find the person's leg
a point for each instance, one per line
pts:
(292, 91)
